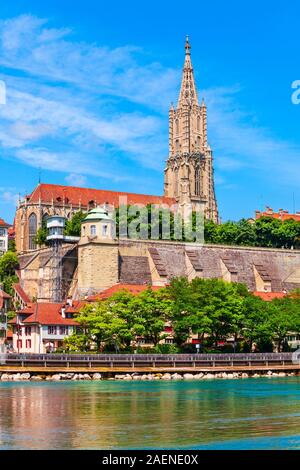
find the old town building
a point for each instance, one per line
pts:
(41, 327)
(3, 236)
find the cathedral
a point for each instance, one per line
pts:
(100, 261)
(188, 181)
(189, 175)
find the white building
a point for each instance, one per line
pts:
(4, 307)
(41, 327)
(3, 236)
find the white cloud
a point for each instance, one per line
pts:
(27, 44)
(9, 196)
(64, 110)
(74, 179)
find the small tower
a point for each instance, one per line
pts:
(98, 225)
(55, 227)
(98, 253)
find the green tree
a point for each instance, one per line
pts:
(8, 265)
(153, 308)
(73, 225)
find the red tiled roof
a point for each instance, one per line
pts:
(11, 232)
(281, 215)
(134, 289)
(4, 224)
(17, 287)
(49, 314)
(268, 296)
(45, 314)
(75, 307)
(3, 295)
(83, 196)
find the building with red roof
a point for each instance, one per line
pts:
(269, 296)
(280, 215)
(41, 327)
(134, 289)
(54, 199)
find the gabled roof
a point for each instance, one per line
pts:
(3, 296)
(83, 196)
(4, 224)
(20, 291)
(45, 314)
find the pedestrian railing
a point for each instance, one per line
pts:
(148, 360)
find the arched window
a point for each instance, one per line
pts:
(198, 142)
(198, 123)
(32, 231)
(197, 181)
(177, 145)
(176, 185)
(177, 126)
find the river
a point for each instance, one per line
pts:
(214, 414)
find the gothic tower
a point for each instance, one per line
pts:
(189, 176)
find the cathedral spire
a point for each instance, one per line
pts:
(188, 92)
(189, 171)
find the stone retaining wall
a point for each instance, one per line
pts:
(26, 376)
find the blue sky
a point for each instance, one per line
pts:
(89, 85)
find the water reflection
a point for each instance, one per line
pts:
(149, 414)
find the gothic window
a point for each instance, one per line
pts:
(176, 182)
(177, 145)
(198, 142)
(177, 126)
(197, 181)
(32, 231)
(198, 123)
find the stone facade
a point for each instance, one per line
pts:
(189, 174)
(157, 262)
(36, 273)
(101, 264)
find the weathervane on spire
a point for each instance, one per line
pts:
(187, 45)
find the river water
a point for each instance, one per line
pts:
(216, 414)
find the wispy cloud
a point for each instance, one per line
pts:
(239, 143)
(90, 109)
(76, 180)
(66, 105)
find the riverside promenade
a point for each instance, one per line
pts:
(109, 364)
